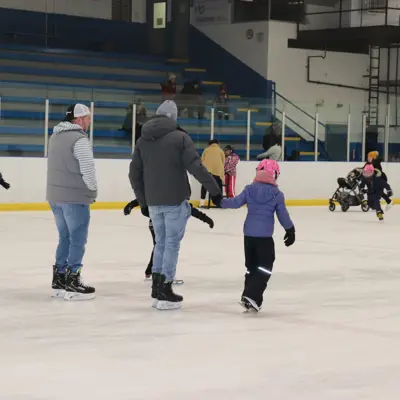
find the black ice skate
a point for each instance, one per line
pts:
(58, 284)
(249, 305)
(167, 299)
(158, 281)
(75, 288)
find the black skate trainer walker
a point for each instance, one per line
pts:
(349, 193)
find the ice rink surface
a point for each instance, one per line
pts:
(330, 328)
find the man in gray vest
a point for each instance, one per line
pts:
(71, 188)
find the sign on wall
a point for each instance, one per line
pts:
(211, 12)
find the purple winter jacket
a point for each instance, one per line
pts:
(262, 200)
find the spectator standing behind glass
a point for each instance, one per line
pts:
(213, 159)
(71, 188)
(141, 118)
(275, 151)
(168, 88)
(222, 101)
(191, 97)
(158, 174)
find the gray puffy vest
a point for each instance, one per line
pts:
(64, 178)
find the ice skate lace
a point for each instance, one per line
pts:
(81, 283)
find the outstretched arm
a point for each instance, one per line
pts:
(136, 177)
(202, 217)
(236, 202)
(282, 212)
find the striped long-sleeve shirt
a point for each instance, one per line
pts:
(83, 152)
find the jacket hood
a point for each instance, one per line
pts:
(65, 126)
(262, 193)
(158, 127)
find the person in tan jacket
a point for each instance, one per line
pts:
(213, 158)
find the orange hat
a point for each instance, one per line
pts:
(373, 154)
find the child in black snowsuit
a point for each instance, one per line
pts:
(375, 185)
(4, 183)
(373, 158)
(195, 213)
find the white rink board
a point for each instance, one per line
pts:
(298, 180)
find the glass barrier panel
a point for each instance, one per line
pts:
(22, 125)
(230, 126)
(113, 128)
(394, 129)
(333, 132)
(264, 133)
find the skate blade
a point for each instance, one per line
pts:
(247, 310)
(167, 305)
(178, 282)
(147, 279)
(389, 206)
(73, 296)
(154, 304)
(252, 303)
(58, 293)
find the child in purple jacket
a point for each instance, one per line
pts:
(263, 199)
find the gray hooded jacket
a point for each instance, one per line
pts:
(162, 157)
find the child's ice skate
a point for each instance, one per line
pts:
(178, 282)
(379, 214)
(249, 305)
(147, 277)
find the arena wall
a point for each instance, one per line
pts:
(82, 8)
(304, 183)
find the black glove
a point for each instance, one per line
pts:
(130, 206)
(390, 192)
(290, 237)
(363, 191)
(202, 217)
(145, 211)
(217, 200)
(4, 184)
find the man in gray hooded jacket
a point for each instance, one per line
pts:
(158, 174)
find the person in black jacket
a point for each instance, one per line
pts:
(374, 159)
(4, 183)
(374, 185)
(195, 214)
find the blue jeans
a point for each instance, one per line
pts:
(72, 222)
(169, 223)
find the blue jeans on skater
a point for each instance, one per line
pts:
(169, 223)
(72, 222)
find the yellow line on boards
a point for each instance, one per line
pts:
(120, 205)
